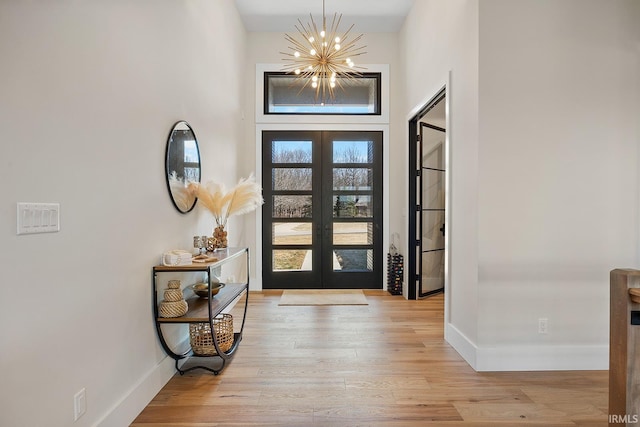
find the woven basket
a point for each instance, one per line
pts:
(173, 308)
(173, 295)
(202, 341)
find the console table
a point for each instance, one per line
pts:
(204, 310)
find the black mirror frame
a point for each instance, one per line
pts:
(167, 167)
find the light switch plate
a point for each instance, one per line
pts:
(38, 218)
(79, 404)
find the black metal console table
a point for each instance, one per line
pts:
(204, 310)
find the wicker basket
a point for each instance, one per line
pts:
(202, 341)
(173, 308)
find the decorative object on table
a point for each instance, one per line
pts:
(243, 198)
(204, 258)
(202, 341)
(202, 289)
(173, 304)
(212, 244)
(220, 236)
(176, 257)
(323, 58)
(200, 243)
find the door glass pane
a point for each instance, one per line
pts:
(353, 260)
(291, 151)
(352, 206)
(352, 152)
(291, 207)
(352, 178)
(432, 223)
(432, 148)
(292, 260)
(352, 233)
(432, 189)
(291, 178)
(292, 233)
(432, 271)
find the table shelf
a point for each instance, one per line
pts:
(198, 310)
(202, 310)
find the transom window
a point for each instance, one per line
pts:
(285, 93)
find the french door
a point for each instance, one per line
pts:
(322, 216)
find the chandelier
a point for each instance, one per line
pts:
(323, 59)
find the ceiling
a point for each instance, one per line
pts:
(380, 16)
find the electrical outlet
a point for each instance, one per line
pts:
(543, 325)
(79, 404)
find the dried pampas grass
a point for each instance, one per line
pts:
(181, 194)
(243, 198)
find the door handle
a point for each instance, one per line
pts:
(442, 230)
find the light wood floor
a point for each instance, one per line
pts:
(381, 365)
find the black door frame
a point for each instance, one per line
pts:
(414, 277)
(322, 217)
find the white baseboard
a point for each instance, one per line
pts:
(543, 358)
(529, 357)
(461, 344)
(130, 406)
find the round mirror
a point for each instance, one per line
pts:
(182, 165)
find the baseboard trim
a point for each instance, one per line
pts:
(462, 344)
(129, 407)
(528, 357)
(543, 358)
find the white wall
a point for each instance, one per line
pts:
(439, 42)
(90, 91)
(544, 97)
(381, 48)
(558, 181)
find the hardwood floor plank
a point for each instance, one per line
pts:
(381, 365)
(549, 395)
(519, 412)
(386, 413)
(388, 382)
(486, 394)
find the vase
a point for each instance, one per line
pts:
(220, 236)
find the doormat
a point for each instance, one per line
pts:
(323, 297)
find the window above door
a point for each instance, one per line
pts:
(286, 93)
(279, 98)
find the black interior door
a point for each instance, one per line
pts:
(432, 209)
(322, 215)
